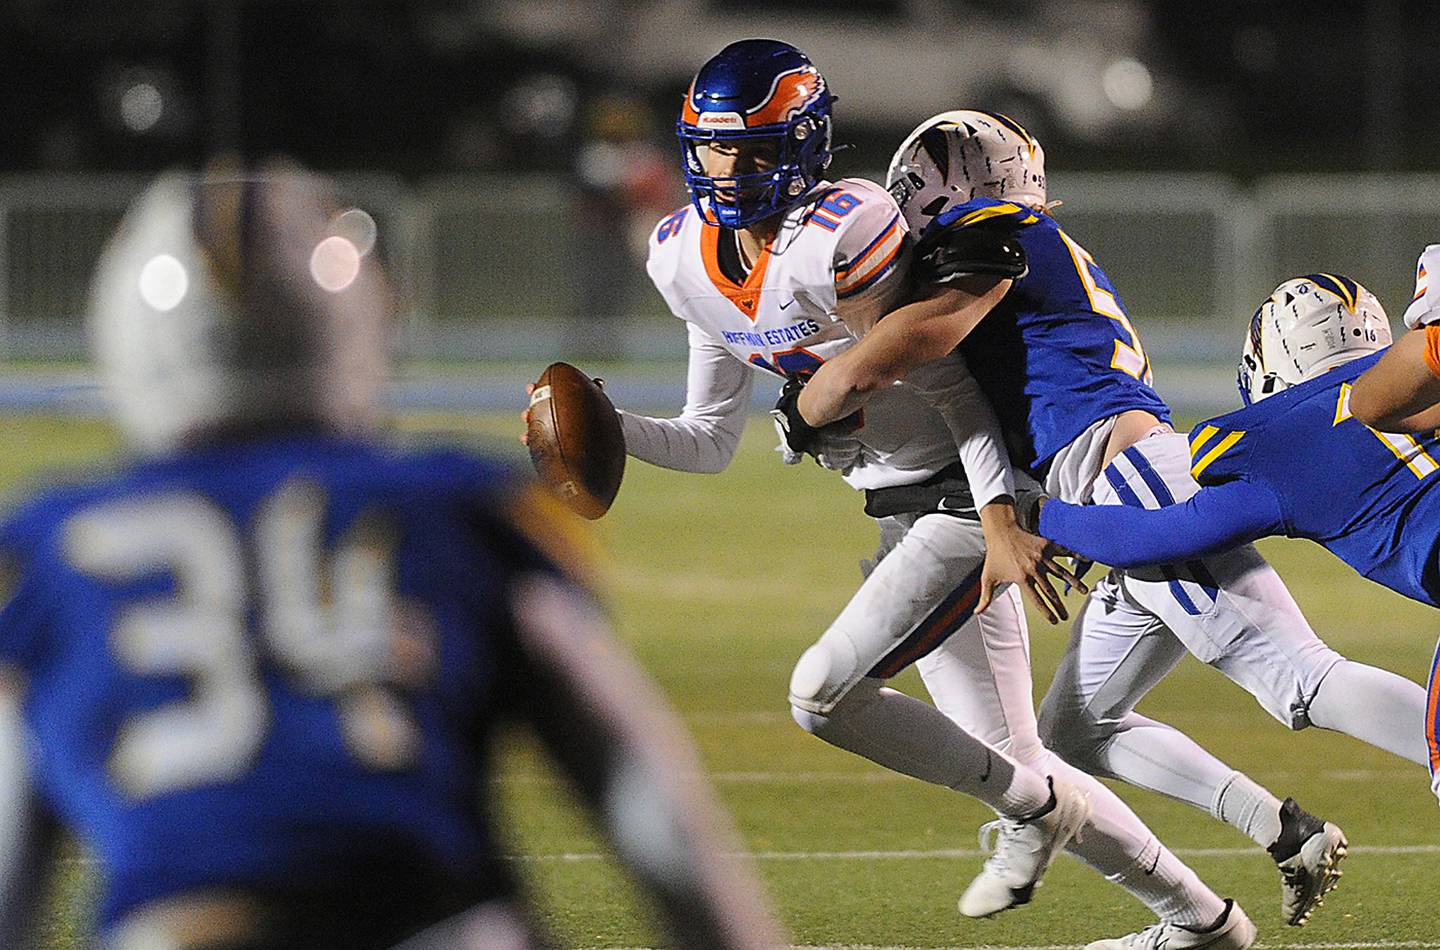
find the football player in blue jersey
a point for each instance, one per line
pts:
(1307, 345)
(1069, 379)
(260, 670)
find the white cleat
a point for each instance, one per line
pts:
(1023, 849)
(1308, 853)
(1233, 931)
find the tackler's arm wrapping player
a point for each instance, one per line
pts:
(1370, 497)
(262, 670)
(1065, 371)
(1401, 393)
(775, 271)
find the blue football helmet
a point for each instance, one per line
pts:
(756, 91)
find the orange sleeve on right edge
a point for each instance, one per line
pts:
(1432, 348)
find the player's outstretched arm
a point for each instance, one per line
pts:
(909, 337)
(1401, 393)
(27, 835)
(1214, 519)
(628, 754)
(1012, 555)
(704, 437)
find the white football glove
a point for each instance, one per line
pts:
(839, 453)
(787, 455)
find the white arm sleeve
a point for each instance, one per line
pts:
(1425, 307)
(950, 388)
(704, 436)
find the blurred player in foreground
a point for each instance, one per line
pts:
(1368, 496)
(1065, 371)
(1401, 392)
(260, 671)
(770, 268)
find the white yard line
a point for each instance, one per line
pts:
(963, 853)
(878, 777)
(1370, 945)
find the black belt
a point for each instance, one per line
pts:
(948, 490)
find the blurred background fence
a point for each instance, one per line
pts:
(494, 267)
(514, 153)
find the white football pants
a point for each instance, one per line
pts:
(1230, 610)
(910, 609)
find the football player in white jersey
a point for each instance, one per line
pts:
(1066, 373)
(1401, 393)
(773, 270)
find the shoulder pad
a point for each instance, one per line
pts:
(989, 249)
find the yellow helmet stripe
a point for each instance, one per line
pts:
(1342, 287)
(1015, 127)
(995, 211)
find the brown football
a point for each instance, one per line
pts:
(575, 440)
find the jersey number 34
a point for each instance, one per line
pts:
(326, 617)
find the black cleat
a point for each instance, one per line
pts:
(1308, 853)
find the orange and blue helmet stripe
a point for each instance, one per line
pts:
(764, 92)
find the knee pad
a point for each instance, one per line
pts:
(844, 709)
(811, 722)
(823, 675)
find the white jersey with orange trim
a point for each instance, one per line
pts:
(1424, 307)
(841, 253)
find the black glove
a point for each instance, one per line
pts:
(799, 434)
(979, 249)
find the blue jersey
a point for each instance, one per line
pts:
(1367, 496)
(266, 664)
(1298, 464)
(1058, 353)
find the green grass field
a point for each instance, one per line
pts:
(719, 582)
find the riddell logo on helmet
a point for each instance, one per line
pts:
(721, 120)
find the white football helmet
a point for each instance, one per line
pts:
(964, 154)
(1309, 325)
(231, 302)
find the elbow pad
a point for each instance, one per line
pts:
(978, 250)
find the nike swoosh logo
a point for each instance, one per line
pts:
(1153, 865)
(784, 305)
(988, 764)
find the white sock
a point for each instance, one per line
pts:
(909, 736)
(1117, 843)
(1374, 706)
(1170, 889)
(1249, 807)
(1158, 757)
